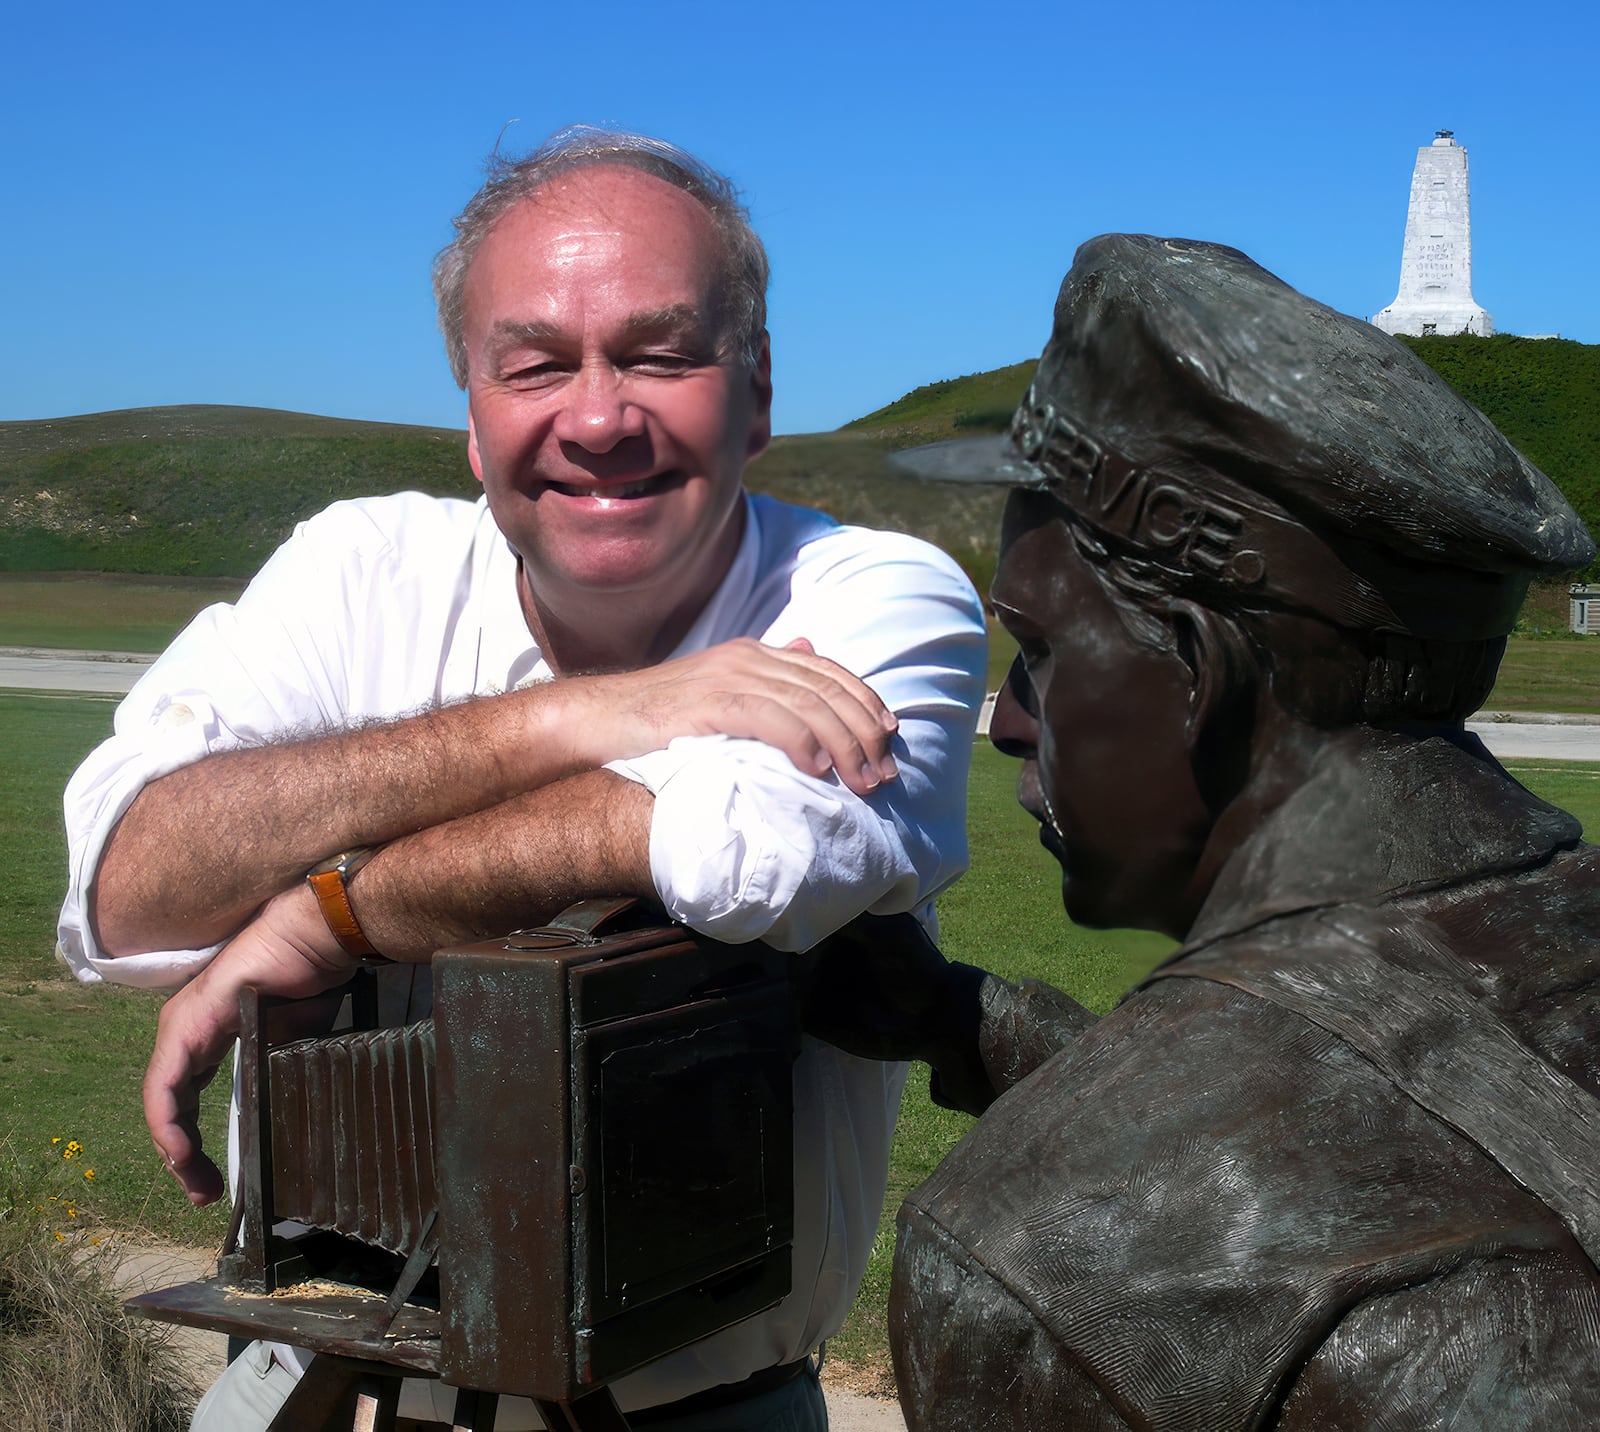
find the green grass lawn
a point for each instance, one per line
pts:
(71, 1057)
(94, 611)
(1554, 675)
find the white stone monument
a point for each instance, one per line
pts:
(1436, 264)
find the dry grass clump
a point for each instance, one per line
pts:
(70, 1359)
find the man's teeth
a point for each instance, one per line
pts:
(624, 489)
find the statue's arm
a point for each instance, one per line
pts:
(881, 989)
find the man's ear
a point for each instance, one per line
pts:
(473, 456)
(1224, 678)
(761, 411)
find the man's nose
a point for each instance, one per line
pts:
(598, 412)
(1014, 722)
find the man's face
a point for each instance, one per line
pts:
(1107, 768)
(609, 423)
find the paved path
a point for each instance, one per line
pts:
(46, 669)
(1514, 736)
(1546, 735)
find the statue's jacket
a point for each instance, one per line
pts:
(1334, 1166)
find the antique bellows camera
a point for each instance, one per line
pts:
(579, 1162)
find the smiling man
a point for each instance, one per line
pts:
(616, 673)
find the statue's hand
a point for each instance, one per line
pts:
(879, 988)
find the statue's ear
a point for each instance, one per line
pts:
(1224, 680)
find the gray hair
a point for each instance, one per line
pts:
(511, 181)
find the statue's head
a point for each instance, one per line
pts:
(1229, 497)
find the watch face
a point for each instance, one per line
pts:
(341, 863)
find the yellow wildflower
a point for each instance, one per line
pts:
(88, 1173)
(72, 1150)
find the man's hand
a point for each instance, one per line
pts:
(813, 710)
(285, 950)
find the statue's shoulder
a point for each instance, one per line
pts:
(1208, 1181)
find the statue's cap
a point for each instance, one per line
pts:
(1196, 410)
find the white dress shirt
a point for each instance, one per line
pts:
(386, 606)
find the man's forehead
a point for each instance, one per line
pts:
(647, 253)
(608, 198)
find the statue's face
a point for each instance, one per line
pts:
(1107, 764)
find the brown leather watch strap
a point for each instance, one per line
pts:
(329, 881)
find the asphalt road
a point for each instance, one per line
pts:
(1522, 736)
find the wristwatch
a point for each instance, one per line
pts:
(329, 881)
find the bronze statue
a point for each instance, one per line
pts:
(1334, 1164)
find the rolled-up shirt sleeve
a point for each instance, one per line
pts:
(178, 731)
(744, 846)
(272, 664)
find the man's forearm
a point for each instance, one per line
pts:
(202, 848)
(518, 863)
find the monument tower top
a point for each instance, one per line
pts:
(1436, 262)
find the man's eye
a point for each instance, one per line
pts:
(661, 363)
(532, 374)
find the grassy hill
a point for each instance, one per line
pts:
(210, 491)
(197, 491)
(954, 407)
(1542, 393)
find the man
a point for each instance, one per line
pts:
(1333, 1166)
(617, 673)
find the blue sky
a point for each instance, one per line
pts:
(204, 204)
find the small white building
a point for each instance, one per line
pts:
(1584, 604)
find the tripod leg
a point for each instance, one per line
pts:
(593, 1412)
(474, 1411)
(324, 1397)
(377, 1401)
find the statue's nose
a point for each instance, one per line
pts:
(1014, 723)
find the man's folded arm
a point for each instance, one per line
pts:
(203, 846)
(520, 862)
